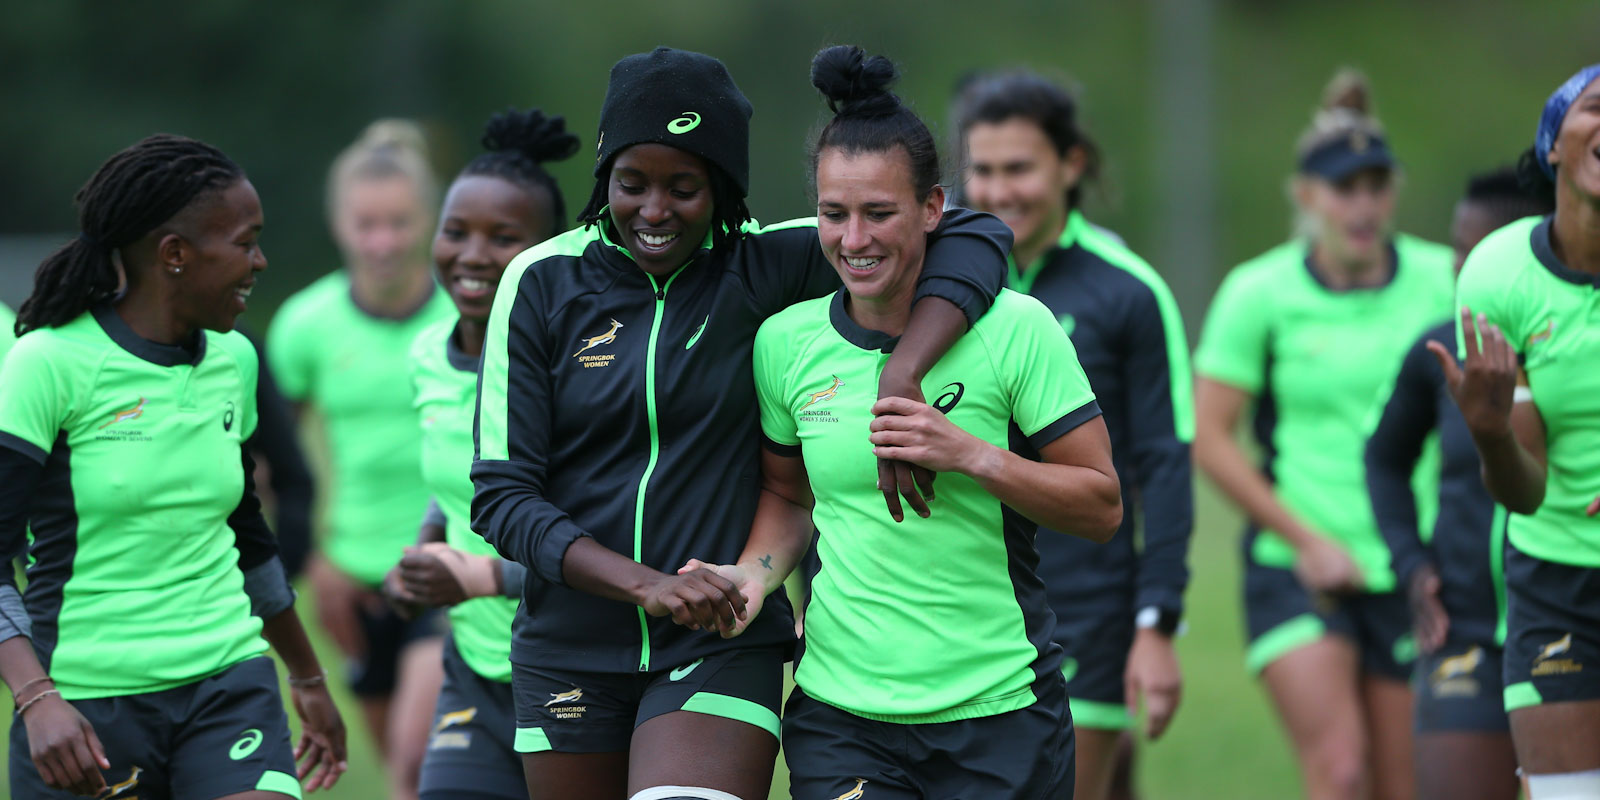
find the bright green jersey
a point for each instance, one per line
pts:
(351, 365)
(1316, 360)
(7, 337)
(1551, 314)
(927, 620)
(133, 582)
(446, 383)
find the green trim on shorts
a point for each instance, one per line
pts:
(1522, 695)
(1099, 716)
(531, 740)
(280, 782)
(737, 708)
(1405, 649)
(1291, 634)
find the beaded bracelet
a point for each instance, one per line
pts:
(307, 683)
(36, 698)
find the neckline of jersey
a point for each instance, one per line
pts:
(162, 355)
(1394, 270)
(852, 332)
(400, 319)
(457, 357)
(1539, 240)
(1022, 280)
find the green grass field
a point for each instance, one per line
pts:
(1223, 743)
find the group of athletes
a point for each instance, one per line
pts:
(572, 469)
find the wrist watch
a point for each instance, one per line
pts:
(1163, 621)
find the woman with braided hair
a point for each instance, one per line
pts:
(136, 657)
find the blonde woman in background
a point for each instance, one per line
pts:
(1306, 335)
(341, 347)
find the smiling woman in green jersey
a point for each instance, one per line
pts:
(341, 346)
(502, 203)
(900, 693)
(1308, 334)
(1530, 393)
(617, 439)
(1027, 159)
(136, 658)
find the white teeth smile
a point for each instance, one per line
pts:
(656, 241)
(244, 294)
(862, 263)
(472, 284)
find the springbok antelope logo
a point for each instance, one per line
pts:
(461, 717)
(123, 416)
(1555, 648)
(565, 697)
(119, 788)
(856, 793)
(826, 394)
(1458, 666)
(595, 341)
(1544, 335)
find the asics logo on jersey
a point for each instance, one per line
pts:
(118, 788)
(595, 341)
(697, 332)
(826, 394)
(123, 416)
(688, 122)
(857, 793)
(947, 401)
(1555, 648)
(565, 697)
(682, 672)
(1458, 666)
(246, 745)
(1544, 335)
(227, 418)
(461, 717)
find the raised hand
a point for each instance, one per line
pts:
(1484, 387)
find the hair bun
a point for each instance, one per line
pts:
(854, 84)
(400, 134)
(530, 133)
(1348, 90)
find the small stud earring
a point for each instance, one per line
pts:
(177, 270)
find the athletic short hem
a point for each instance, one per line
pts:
(734, 708)
(1522, 695)
(1284, 638)
(280, 782)
(532, 740)
(1099, 716)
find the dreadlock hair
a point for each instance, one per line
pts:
(867, 117)
(728, 208)
(133, 193)
(519, 143)
(1503, 195)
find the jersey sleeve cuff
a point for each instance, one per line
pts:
(14, 619)
(1066, 424)
(512, 578)
(779, 448)
(20, 445)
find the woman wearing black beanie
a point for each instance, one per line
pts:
(618, 439)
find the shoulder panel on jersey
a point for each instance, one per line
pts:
(1112, 250)
(1493, 278)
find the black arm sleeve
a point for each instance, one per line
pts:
(1156, 382)
(965, 264)
(264, 578)
(277, 442)
(19, 476)
(1391, 455)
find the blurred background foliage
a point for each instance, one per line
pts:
(1196, 105)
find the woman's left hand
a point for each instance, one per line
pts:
(321, 752)
(918, 433)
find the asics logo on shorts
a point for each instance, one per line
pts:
(682, 672)
(246, 745)
(856, 793)
(565, 697)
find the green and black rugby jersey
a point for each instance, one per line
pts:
(141, 515)
(619, 405)
(1318, 362)
(446, 384)
(1551, 315)
(926, 620)
(352, 366)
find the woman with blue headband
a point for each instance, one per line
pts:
(1304, 336)
(1529, 300)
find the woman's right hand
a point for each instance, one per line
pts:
(337, 599)
(754, 591)
(65, 748)
(1325, 567)
(697, 599)
(1485, 386)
